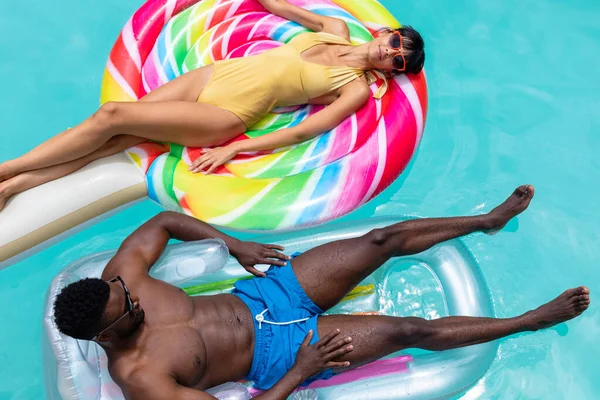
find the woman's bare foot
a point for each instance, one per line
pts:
(516, 203)
(5, 194)
(6, 172)
(568, 305)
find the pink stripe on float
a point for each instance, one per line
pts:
(353, 132)
(366, 123)
(258, 25)
(150, 74)
(415, 103)
(360, 169)
(147, 28)
(230, 36)
(343, 137)
(261, 46)
(247, 29)
(372, 370)
(252, 48)
(233, 9)
(381, 162)
(401, 120)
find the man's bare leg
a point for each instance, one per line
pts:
(376, 336)
(328, 272)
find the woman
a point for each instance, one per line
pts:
(210, 106)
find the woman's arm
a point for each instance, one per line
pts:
(308, 19)
(352, 96)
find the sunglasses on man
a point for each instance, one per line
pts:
(128, 307)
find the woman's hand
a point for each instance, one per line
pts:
(311, 360)
(249, 254)
(213, 158)
(309, 19)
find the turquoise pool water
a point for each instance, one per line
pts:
(513, 99)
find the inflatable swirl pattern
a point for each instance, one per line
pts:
(305, 184)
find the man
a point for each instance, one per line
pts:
(163, 344)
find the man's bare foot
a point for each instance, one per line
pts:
(517, 202)
(568, 305)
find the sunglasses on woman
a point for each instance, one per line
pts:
(398, 62)
(128, 306)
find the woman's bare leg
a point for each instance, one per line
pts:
(170, 115)
(31, 179)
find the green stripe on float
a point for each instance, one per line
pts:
(269, 212)
(168, 173)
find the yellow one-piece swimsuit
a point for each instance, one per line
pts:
(250, 87)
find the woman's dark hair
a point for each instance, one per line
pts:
(414, 47)
(79, 307)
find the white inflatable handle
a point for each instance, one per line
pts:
(230, 391)
(185, 261)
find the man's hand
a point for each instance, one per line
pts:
(318, 357)
(249, 254)
(310, 360)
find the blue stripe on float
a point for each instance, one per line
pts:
(149, 181)
(318, 152)
(284, 30)
(321, 193)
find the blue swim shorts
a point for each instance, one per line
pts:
(278, 298)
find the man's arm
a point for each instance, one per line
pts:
(143, 247)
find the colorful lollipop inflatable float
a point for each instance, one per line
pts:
(306, 184)
(302, 185)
